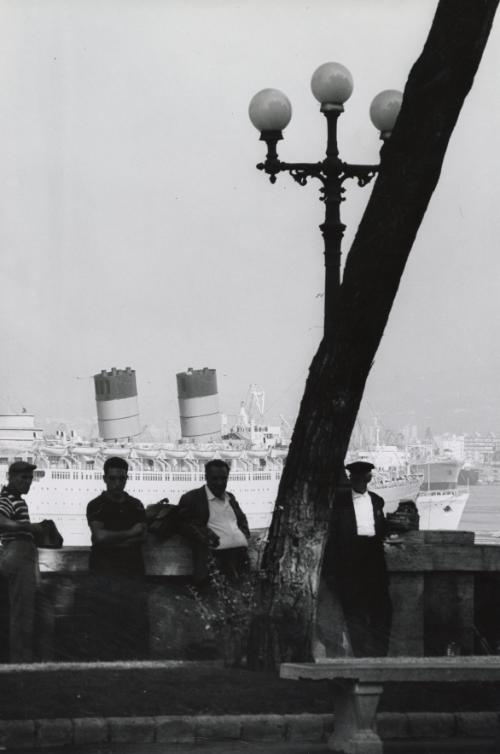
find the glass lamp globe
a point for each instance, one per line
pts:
(332, 84)
(270, 110)
(384, 110)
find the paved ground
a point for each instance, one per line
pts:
(458, 746)
(233, 747)
(248, 747)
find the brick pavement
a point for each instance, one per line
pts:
(245, 733)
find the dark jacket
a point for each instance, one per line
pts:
(193, 515)
(343, 520)
(356, 570)
(340, 559)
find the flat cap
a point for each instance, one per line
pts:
(359, 467)
(18, 467)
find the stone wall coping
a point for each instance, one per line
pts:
(58, 667)
(411, 554)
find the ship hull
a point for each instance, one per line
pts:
(441, 509)
(62, 495)
(437, 474)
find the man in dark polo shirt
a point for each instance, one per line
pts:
(19, 560)
(117, 522)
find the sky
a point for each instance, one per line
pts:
(136, 231)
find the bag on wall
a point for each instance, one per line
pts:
(162, 519)
(48, 535)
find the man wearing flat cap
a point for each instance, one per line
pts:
(19, 559)
(355, 564)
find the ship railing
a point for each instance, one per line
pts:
(85, 474)
(450, 492)
(60, 474)
(183, 476)
(404, 480)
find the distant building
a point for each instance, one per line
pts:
(451, 445)
(479, 449)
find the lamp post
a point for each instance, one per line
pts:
(270, 112)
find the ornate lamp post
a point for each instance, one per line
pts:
(270, 112)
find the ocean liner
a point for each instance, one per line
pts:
(69, 469)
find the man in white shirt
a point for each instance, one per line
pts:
(211, 518)
(354, 564)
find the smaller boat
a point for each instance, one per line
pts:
(54, 450)
(229, 454)
(175, 454)
(204, 455)
(110, 451)
(147, 452)
(84, 450)
(258, 453)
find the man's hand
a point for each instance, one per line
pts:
(36, 529)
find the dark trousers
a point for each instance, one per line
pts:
(117, 614)
(19, 569)
(363, 588)
(232, 562)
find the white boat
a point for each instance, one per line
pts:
(229, 455)
(54, 450)
(84, 450)
(203, 454)
(174, 454)
(146, 452)
(441, 502)
(442, 508)
(113, 451)
(258, 453)
(432, 485)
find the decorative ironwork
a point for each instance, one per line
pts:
(324, 171)
(332, 173)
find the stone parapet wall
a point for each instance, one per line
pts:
(445, 590)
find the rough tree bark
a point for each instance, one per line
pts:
(410, 166)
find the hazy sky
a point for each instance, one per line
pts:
(136, 231)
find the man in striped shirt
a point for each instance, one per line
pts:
(19, 560)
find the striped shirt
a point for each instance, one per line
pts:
(13, 506)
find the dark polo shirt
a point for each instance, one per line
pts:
(124, 561)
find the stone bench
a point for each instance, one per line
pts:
(359, 685)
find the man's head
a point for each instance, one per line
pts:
(115, 476)
(216, 474)
(360, 473)
(21, 476)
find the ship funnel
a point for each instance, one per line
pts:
(199, 405)
(117, 406)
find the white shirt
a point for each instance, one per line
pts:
(222, 521)
(363, 510)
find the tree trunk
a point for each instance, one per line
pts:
(410, 166)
